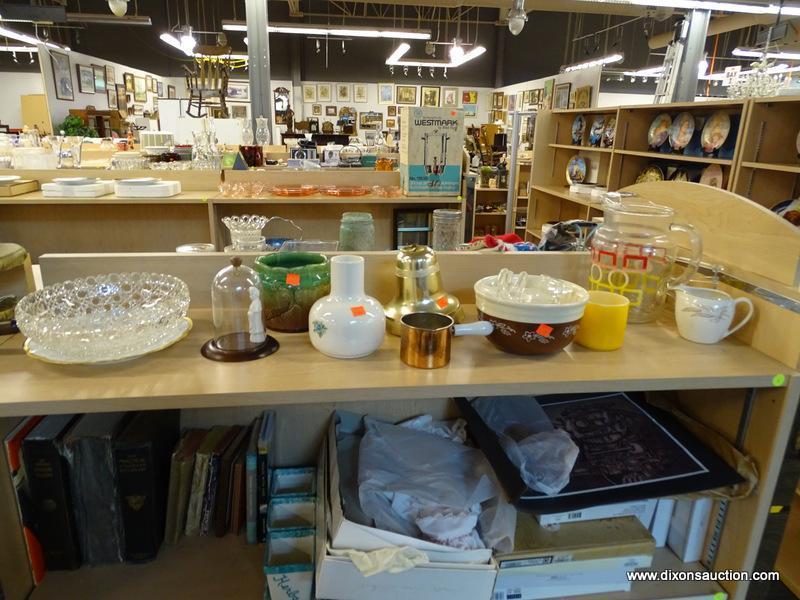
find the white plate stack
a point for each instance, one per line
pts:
(146, 187)
(77, 187)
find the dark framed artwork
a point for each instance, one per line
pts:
(122, 99)
(112, 98)
(85, 79)
(431, 96)
(561, 95)
(331, 111)
(140, 89)
(406, 94)
(391, 111)
(130, 86)
(148, 83)
(171, 92)
(160, 89)
(99, 78)
(62, 75)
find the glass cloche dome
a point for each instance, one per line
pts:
(237, 312)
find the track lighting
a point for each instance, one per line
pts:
(391, 70)
(14, 57)
(30, 58)
(118, 7)
(517, 17)
(419, 71)
(344, 51)
(318, 47)
(430, 70)
(405, 71)
(445, 73)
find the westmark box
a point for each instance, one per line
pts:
(431, 150)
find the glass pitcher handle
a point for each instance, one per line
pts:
(696, 247)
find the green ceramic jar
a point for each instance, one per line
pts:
(292, 282)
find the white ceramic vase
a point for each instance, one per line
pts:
(347, 323)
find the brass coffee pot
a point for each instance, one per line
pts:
(419, 288)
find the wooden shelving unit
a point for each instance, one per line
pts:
(521, 197)
(489, 222)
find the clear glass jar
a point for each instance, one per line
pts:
(447, 231)
(357, 231)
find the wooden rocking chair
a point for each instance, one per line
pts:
(208, 83)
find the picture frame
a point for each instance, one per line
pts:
(469, 97)
(344, 92)
(324, 92)
(239, 111)
(85, 79)
(171, 92)
(62, 75)
(390, 123)
(139, 89)
(130, 86)
(122, 99)
(360, 93)
(391, 111)
(160, 89)
(547, 94)
(526, 98)
(148, 83)
(155, 105)
(111, 79)
(316, 109)
(386, 93)
(406, 94)
(370, 119)
(512, 103)
(505, 103)
(431, 96)
(583, 96)
(331, 111)
(561, 95)
(111, 94)
(497, 100)
(238, 90)
(450, 97)
(309, 92)
(470, 110)
(99, 78)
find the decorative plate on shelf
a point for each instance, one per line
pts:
(715, 132)
(596, 132)
(8, 178)
(659, 130)
(789, 210)
(713, 176)
(75, 180)
(140, 181)
(344, 190)
(681, 131)
(650, 173)
(578, 129)
(609, 132)
(576, 170)
(680, 174)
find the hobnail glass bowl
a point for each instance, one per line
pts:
(104, 318)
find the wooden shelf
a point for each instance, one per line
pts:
(323, 199)
(203, 568)
(584, 148)
(676, 157)
(563, 192)
(654, 357)
(486, 214)
(785, 168)
(488, 189)
(109, 199)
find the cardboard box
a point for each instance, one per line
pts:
(289, 564)
(641, 509)
(337, 578)
(344, 436)
(291, 513)
(18, 187)
(687, 529)
(431, 150)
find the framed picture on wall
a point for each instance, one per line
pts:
(62, 75)
(331, 111)
(583, 96)
(324, 92)
(238, 111)
(470, 110)
(386, 93)
(99, 78)
(316, 110)
(360, 92)
(526, 98)
(390, 123)
(561, 95)
(392, 111)
(139, 89)
(111, 92)
(370, 120)
(111, 79)
(309, 92)
(160, 89)
(469, 97)
(431, 95)
(171, 92)
(406, 94)
(155, 105)
(122, 100)
(148, 83)
(238, 90)
(450, 97)
(547, 94)
(343, 93)
(85, 79)
(129, 82)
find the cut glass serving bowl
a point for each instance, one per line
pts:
(104, 318)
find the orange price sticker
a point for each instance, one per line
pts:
(358, 311)
(442, 302)
(292, 279)
(544, 330)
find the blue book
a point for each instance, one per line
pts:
(266, 437)
(250, 466)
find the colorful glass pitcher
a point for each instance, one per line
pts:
(634, 253)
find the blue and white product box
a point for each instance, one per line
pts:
(431, 142)
(289, 564)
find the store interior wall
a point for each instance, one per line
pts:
(12, 87)
(576, 79)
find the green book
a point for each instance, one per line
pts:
(200, 478)
(180, 481)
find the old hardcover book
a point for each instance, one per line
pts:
(48, 480)
(200, 479)
(251, 468)
(237, 505)
(94, 489)
(16, 469)
(213, 481)
(225, 482)
(142, 459)
(266, 438)
(180, 483)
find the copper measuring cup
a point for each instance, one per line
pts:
(425, 338)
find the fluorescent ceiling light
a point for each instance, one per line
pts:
(396, 58)
(29, 39)
(142, 20)
(596, 62)
(733, 7)
(185, 43)
(756, 53)
(339, 30)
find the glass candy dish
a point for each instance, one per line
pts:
(294, 190)
(387, 191)
(344, 190)
(104, 318)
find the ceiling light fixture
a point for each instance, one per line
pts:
(29, 39)
(103, 19)
(118, 7)
(16, 49)
(517, 17)
(396, 58)
(430, 70)
(456, 51)
(419, 71)
(756, 53)
(595, 62)
(732, 7)
(321, 29)
(188, 42)
(30, 57)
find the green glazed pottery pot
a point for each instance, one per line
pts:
(292, 282)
